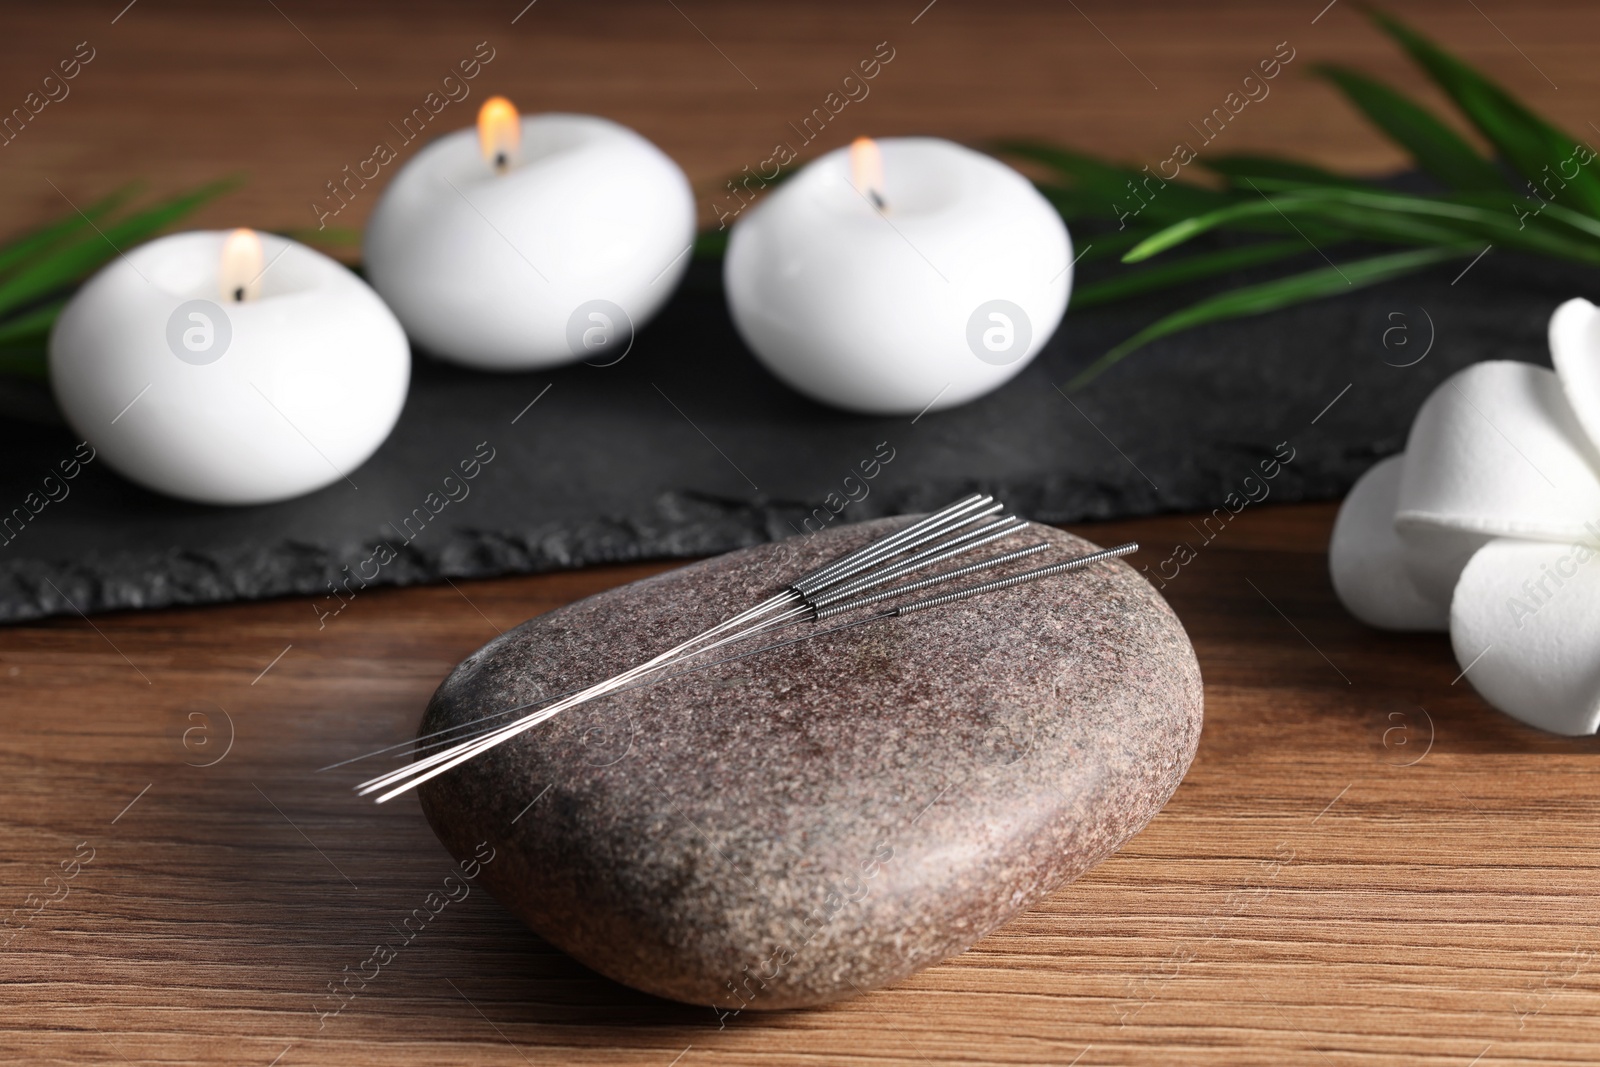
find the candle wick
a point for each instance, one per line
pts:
(500, 161)
(877, 199)
(238, 295)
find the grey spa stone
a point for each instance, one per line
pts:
(819, 819)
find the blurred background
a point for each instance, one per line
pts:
(288, 92)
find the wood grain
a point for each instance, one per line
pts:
(290, 93)
(1364, 861)
(1366, 864)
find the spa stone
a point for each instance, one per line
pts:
(816, 820)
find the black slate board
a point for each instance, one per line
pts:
(688, 447)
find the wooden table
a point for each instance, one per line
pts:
(1365, 860)
(1365, 865)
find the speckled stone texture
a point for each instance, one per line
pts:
(604, 470)
(816, 820)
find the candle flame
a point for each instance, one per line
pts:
(866, 170)
(499, 131)
(242, 266)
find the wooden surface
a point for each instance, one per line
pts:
(289, 93)
(1365, 860)
(1365, 865)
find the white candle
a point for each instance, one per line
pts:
(928, 274)
(533, 242)
(229, 368)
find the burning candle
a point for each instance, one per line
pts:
(229, 368)
(899, 276)
(535, 241)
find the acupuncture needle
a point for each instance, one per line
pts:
(788, 609)
(1064, 566)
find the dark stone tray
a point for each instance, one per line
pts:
(688, 447)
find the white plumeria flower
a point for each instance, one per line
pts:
(1488, 525)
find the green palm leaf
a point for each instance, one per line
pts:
(30, 328)
(1536, 148)
(68, 263)
(1193, 268)
(1273, 295)
(1435, 147)
(1379, 215)
(1168, 200)
(41, 264)
(37, 241)
(1282, 173)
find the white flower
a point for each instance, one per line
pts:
(1489, 525)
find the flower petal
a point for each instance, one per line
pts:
(1366, 558)
(1525, 624)
(1575, 350)
(1495, 451)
